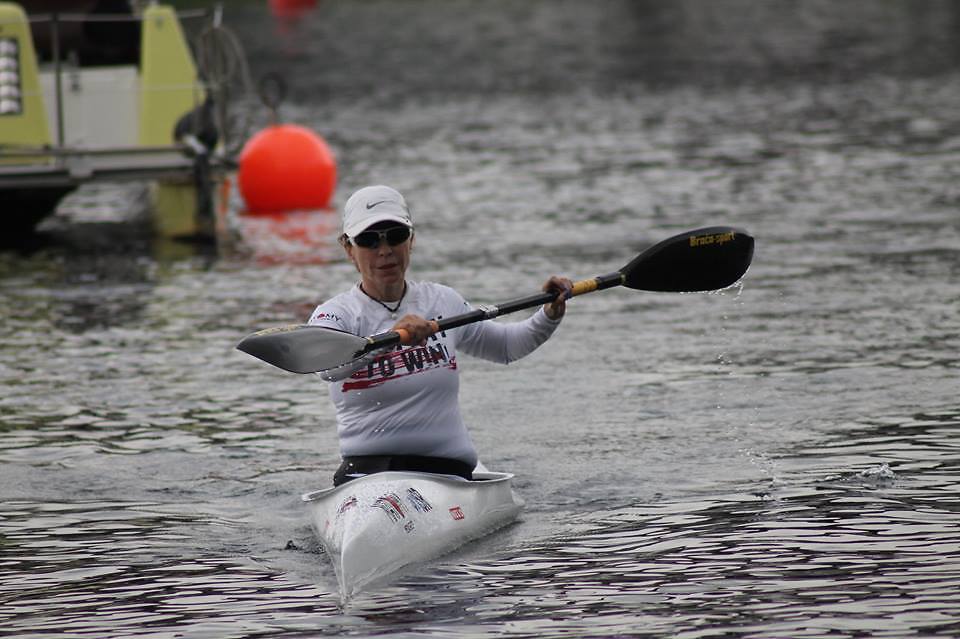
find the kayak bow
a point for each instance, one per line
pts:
(375, 525)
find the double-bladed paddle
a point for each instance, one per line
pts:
(706, 259)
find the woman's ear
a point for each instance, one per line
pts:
(348, 249)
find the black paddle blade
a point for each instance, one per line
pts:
(706, 259)
(300, 348)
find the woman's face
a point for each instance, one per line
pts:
(383, 267)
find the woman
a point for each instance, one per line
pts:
(399, 410)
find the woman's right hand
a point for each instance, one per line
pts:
(418, 329)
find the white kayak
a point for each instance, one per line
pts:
(374, 525)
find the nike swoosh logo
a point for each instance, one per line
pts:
(373, 204)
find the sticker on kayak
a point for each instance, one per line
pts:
(390, 504)
(347, 504)
(457, 513)
(418, 501)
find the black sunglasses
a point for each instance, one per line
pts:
(393, 236)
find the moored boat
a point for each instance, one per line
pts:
(97, 96)
(375, 525)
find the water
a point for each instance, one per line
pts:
(779, 459)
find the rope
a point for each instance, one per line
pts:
(222, 64)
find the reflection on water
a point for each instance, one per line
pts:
(800, 560)
(295, 237)
(779, 459)
(98, 579)
(856, 552)
(564, 44)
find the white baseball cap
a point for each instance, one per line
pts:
(373, 204)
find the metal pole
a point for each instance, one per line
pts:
(57, 69)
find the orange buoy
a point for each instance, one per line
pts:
(286, 167)
(291, 9)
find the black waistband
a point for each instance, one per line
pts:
(369, 464)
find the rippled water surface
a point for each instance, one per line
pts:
(780, 459)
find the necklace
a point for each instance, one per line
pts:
(392, 311)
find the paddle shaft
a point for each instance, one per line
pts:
(401, 336)
(705, 259)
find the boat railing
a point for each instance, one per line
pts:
(220, 66)
(13, 150)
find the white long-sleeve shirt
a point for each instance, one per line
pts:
(405, 401)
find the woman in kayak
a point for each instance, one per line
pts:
(398, 409)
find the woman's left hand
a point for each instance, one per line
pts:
(562, 287)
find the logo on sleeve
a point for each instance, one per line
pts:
(327, 316)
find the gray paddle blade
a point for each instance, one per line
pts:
(300, 348)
